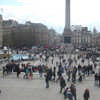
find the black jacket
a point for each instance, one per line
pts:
(62, 82)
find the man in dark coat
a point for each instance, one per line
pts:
(18, 70)
(40, 70)
(62, 83)
(69, 74)
(99, 79)
(47, 79)
(73, 91)
(54, 73)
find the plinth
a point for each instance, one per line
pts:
(67, 36)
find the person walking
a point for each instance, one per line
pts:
(86, 94)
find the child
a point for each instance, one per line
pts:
(65, 92)
(86, 94)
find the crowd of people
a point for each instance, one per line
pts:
(64, 65)
(72, 72)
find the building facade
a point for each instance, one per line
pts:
(81, 37)
(28, 34)
(25, 34)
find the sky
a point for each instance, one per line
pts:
(52, 12)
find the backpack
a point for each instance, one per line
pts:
(27, 71)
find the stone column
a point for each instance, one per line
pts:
(67, 15)
(67, 34)
(67, 31)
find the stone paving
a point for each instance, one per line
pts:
(21, 89)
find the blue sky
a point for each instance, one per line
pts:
(10, 2)
(52, 12)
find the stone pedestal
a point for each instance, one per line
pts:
(67, 36)
(68, 48)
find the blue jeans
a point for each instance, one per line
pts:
(96, 82)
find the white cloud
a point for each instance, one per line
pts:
(85, 11)
(52, 12)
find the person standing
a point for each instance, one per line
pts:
(59, 74)
(26, 72)
(74, 74)
(54, 73)
(69, 74)
(40, 70)
(79, 69)
(65, 92)
(99, 78)
(0, 91)
(50, 73)
(47, 79)
(73, 91)
(4, 70)
(69, 95)
(62, 83)
(96, 79)
(52, 60)
(18, 70)
(86, 94)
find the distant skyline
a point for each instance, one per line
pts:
(52, 12)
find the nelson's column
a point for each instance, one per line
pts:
(67, 34)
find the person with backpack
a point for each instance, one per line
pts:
(62, 69)
(86, 94)
(65, 92)
(69, 94)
